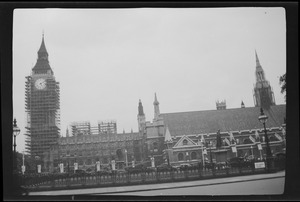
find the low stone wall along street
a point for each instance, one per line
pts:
(84, 180)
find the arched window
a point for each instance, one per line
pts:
(193, 155)
(180, 157)
(184, 142)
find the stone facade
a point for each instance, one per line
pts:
(190, 137)
(86, 150)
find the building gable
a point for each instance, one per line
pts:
(185, 141)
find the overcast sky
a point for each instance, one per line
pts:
(108, 59)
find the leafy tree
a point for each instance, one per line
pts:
(282, 82)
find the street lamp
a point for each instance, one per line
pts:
(16, 131)
(126, 160)
(263, 119)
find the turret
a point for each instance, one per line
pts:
(141, 117)
(156, 108)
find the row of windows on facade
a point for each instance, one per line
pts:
(91, 153)
(97, 145)
(237, 141)
(181, 156)
(89, 161)
(87, 139)
(153, 147)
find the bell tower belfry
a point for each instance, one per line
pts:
(263, 94)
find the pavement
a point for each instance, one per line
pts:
(152, 187)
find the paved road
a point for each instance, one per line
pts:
(241, 185)
(257, 187)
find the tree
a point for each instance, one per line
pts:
(282, 82)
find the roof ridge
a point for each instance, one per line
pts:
(218, 110)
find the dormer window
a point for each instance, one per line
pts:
(184, 142)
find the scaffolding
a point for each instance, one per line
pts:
(81, 128)
(85, 128)
(43, 115)
(42, 107)
(107, 127)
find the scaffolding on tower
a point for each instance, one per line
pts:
(107, 127)
(42, 109)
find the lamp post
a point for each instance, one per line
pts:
(126, 160)
(23, 165)
(210, 145)
(16, 131)
(68, 157)
(263, 119)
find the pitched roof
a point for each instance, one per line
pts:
(210, 121)
(42, 62)
(168, 138)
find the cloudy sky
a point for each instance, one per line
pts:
(108, 59)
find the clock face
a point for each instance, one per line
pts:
(40, 84)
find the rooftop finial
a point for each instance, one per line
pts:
(242, 104)
(155, 100)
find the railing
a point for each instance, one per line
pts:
(67, 181)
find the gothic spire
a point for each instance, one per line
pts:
(155, 100)
(259, 73)
(42, 65)
(257, 60)
(156, 108)
(42, 51)
(141, 109)
(263, 93)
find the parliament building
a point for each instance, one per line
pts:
(174, 138)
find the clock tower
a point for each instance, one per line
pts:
(42, 106)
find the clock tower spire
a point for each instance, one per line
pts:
(42, 65)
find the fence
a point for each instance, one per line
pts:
(69, 181)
